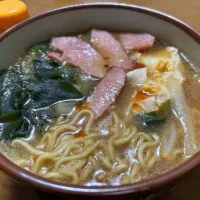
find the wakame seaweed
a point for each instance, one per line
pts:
(27, 104)
(155, 117)
(40, 50)
(51, 69)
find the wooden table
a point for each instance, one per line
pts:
(186, 10)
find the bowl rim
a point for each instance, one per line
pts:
(151, 184)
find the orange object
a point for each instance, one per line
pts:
(84, 106)
(11, 13)
(141, 96)
(139, 66)
(136, 107)
(107, 58)
(81, 134)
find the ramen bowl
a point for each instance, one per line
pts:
(80, 18)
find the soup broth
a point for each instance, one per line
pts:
(135, 116)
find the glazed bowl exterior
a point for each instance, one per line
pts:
(80, 18)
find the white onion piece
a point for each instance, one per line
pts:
(170, 138)
(182, 112)
(137, 77)
(150, 104)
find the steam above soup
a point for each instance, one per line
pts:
(99, 108)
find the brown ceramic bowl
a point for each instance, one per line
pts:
(114, 16)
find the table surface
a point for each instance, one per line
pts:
(185, 10)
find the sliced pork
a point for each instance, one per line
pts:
(110, 48)
(134, 41)
(78, 53)
(107, 90)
